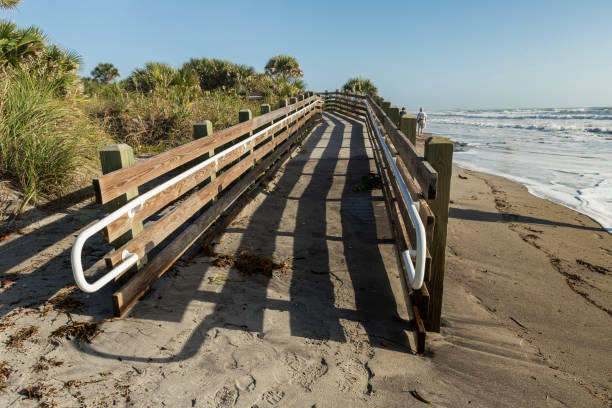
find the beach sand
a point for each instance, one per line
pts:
(526, 320)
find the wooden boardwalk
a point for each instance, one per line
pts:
(336, 237)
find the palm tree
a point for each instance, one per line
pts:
(360, 84)
(104, 72)
(9, 4)
(18, 44)
(215, 73)
(284, 65)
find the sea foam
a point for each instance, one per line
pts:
(563, 155)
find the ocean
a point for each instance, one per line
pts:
(563, 155)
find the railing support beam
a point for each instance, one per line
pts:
(439, 153)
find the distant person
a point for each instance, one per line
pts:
(421, 121)
(403, 111)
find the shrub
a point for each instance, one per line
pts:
(284, 65)
(47, 145)
(360, 84)
(104, 73)
(216, 74)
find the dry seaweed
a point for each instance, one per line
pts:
(37, 392)
(78, 384)
(4, 326)
(250, 263)
(17, 339)
(418, 396)
(63, 302)
(81, 331)
(208, 250)
(593, 268)
(224, 260)
(44, 364)
(370, 182)
(5, 373)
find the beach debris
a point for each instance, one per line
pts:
(593, 268)
(7, 283)
(81, 331)
(221, 278)
(78, 384)
(208, 249)
(517, 322)
(5, 373)
(63, 302)
(17, 339)
(44, 364)
(462, 177)
(418, 396)
(37, 392)
(6, 325)
(250, 263)
(371, 181)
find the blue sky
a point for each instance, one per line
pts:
(441, 55)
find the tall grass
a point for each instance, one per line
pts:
(47, 144)
(163, 118)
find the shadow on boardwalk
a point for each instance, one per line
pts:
(340, 245)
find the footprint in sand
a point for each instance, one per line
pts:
(302, 371)
(226, 397)
(270, 399)
(353, 376)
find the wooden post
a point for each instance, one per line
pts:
(394, 115)
(243, 116)
(292, 101)
(385, 105)
(408, 127)
(439, 153)
(265, 108)
(114, 157)
(202, 129)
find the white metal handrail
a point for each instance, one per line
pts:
(130, 259)
(416, 273)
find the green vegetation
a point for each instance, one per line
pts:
(104, 73)
(47, 145)
(8, 4)
(53, 123)
(360, 84)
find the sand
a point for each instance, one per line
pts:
(520, 328)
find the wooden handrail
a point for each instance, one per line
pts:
(264, 157)
(113, 185)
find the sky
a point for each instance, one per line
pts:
(436, 54)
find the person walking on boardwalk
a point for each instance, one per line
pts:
(421, 121)
(403, 111)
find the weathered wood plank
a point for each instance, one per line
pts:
(156, 233)
(118, 182)
(151, 206)
(127, 295)
(439, 152)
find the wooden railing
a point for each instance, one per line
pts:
(428, 181)
(213, 191)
